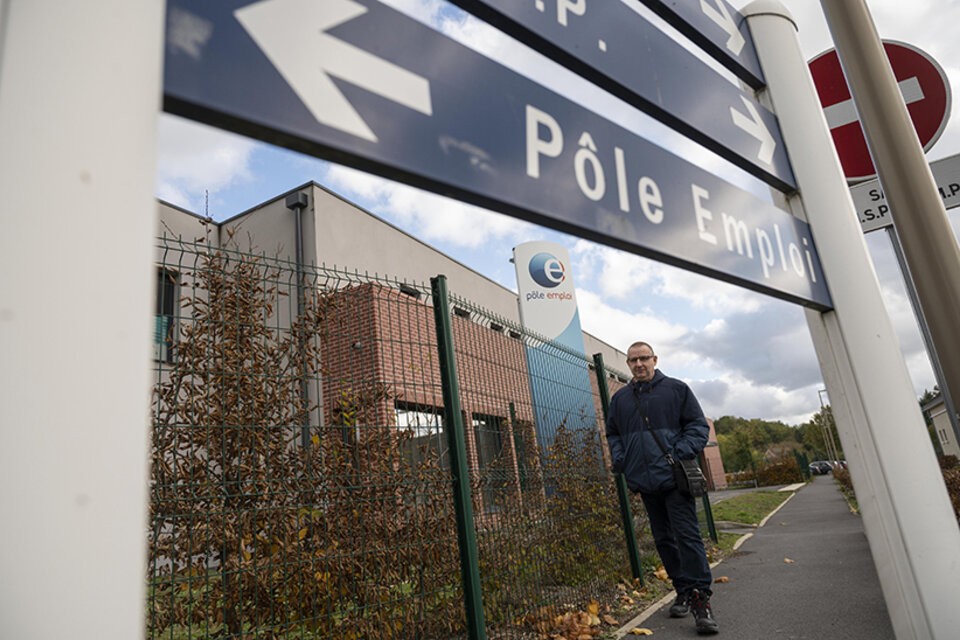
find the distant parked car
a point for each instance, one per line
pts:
(820, 467)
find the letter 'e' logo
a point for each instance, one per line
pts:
(546, 270)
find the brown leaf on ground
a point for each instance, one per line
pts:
(641, 631)
(787, 560)
(661, 573)
(722, 579)
(609, 619)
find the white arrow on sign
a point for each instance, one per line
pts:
(722, 17)
(292, 34)
(753, 124)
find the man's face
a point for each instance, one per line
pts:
(642, 362)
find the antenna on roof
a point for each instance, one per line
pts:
(206, 203)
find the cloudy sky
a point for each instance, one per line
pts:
(745, 354)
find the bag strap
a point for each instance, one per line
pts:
(645, 421)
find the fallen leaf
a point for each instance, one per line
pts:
(609, 619)
(783, 524)
(626, 599)
(661, 573)
(593, 608)
(722, 579)
(787, 560)
(641, 631)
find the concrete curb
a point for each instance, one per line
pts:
(653, 608)
(770, 515)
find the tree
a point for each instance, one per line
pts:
(253, 528)
(927, 396)
(227, 420)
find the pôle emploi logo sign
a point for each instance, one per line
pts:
(546, 270)
(559, 386)
(548, 303)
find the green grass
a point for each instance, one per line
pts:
(749, 508)
(726, 542)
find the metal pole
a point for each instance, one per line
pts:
(827, 431)
(453, 426)
(925, 332)
(623, 495)
(907, 515)
(297, 202)
(708, 510)
(928, 242)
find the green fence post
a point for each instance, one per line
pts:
(707, 509)
(463, 504)
(622, 494)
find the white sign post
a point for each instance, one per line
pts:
(908, 519)
(79, 96)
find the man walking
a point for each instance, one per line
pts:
(655, 402)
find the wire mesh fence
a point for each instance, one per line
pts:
(303, 483)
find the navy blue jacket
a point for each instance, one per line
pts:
(676, 416)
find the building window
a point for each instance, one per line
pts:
(524, 443)
(410, 290)
(460, 311)
(491, 458)
(426, 443)
(164, 331)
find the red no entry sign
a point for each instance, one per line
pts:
(923, 85)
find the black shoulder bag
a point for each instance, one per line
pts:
(686, 473)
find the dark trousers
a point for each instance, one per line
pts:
(676, 532)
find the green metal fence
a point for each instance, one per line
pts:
(343, 456)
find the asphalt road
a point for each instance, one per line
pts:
(829, 590)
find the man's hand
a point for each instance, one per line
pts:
(682, 451)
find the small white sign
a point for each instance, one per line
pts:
(871, 204)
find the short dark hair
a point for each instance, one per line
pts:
(641, 344)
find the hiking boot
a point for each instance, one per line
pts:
(700, 605)
(680, 606)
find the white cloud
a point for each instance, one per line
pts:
(620, 328)
(192, 158)
(622, 274)
(707, 293)
(773, 347)
(731, 394)
(426, 215)
(618, 273)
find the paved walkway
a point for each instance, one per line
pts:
(829, 590)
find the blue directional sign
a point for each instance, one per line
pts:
(718, 29)
(615, 47)
(359, 83)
